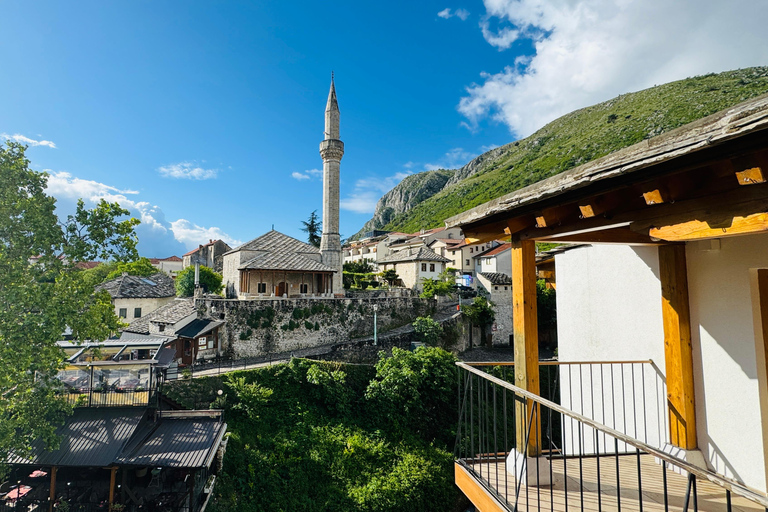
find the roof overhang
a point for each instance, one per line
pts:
(704, 180)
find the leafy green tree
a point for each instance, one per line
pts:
(390, 276)
(210, 281)
(313, 227)
(417, 392)
(358, 267)
(141, 267)
(480, 314)
(428, 330)
(443, 285)
(43, 292)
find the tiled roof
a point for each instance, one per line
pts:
(418, 254)
(449, 241)
(198, 327)
(493, 251)
(157, 285)
(497, 277)
(285, 261)
(86, 265)
(193, 251)
(155, 261)
(168, 314)
(274, 241)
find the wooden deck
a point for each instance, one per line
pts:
(579, 491)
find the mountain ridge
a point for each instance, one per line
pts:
(569, 141)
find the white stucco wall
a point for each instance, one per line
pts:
(609, 309)
(728, 417)
(146, 305)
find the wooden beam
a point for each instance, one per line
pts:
(752, 176)
(476, 493)
(113, 474)
(655, 196)
(52, 498)
(677, 346)
(623, 236)
(526, 335)
(698, 229)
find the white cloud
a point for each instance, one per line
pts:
(462, 14)
(368, 191)
(26, 140)
(157, 236)
(453, 159)
(587, 52)
(308, 174)
(187, 171)
(192, 235)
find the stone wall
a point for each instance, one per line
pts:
(258, 327)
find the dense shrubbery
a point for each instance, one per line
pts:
(326, 436)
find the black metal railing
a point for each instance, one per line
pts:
(530, 453)
(105, 397)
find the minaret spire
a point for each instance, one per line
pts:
(331, 151)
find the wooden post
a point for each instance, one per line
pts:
(526, 331)
(52, 498)
(113, 474)
(675, 313)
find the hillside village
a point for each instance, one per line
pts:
(428, 369)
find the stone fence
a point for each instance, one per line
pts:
(258, 327)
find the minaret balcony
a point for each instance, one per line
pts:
(332, 149)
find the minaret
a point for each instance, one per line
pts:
(331, 150)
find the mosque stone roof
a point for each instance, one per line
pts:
(158, 285)
(281, 252)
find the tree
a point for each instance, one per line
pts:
(313, 227)
(43, 292)
(480, 314)
(210, 281)
(428, 330)
(390, 276)
(443, 285)
(142, 267)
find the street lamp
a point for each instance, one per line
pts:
(375, 334)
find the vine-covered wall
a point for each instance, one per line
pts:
(259, 327)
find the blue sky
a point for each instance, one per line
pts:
(204, 118)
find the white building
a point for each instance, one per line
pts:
(134, 296)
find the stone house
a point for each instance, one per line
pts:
(209, 255)
(414, 265)
(190, 337)
(276, 265)
(170, 265)
(461, 258)
(134, 296)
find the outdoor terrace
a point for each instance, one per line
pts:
(591, 466)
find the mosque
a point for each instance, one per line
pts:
(276, 265)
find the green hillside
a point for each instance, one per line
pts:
(582, 136)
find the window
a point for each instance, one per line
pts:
(136, 312)
(161, 327)
(487, 261)
(123, 313)
(495, 287)
(423, 267)
(202, 342)
(262, 288)
(453, 253)
(505, 287)
(431, 267)
(467, 263)
(471, 249)
(304, 288)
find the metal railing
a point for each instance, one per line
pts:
(102, 397)
(530, 453)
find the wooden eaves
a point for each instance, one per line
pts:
(703, 180)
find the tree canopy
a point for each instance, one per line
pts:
(141, 267)
(210, 281)
(43, 292)
(313, 227)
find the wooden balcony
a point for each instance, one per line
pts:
(577, 487)
(592, 467)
